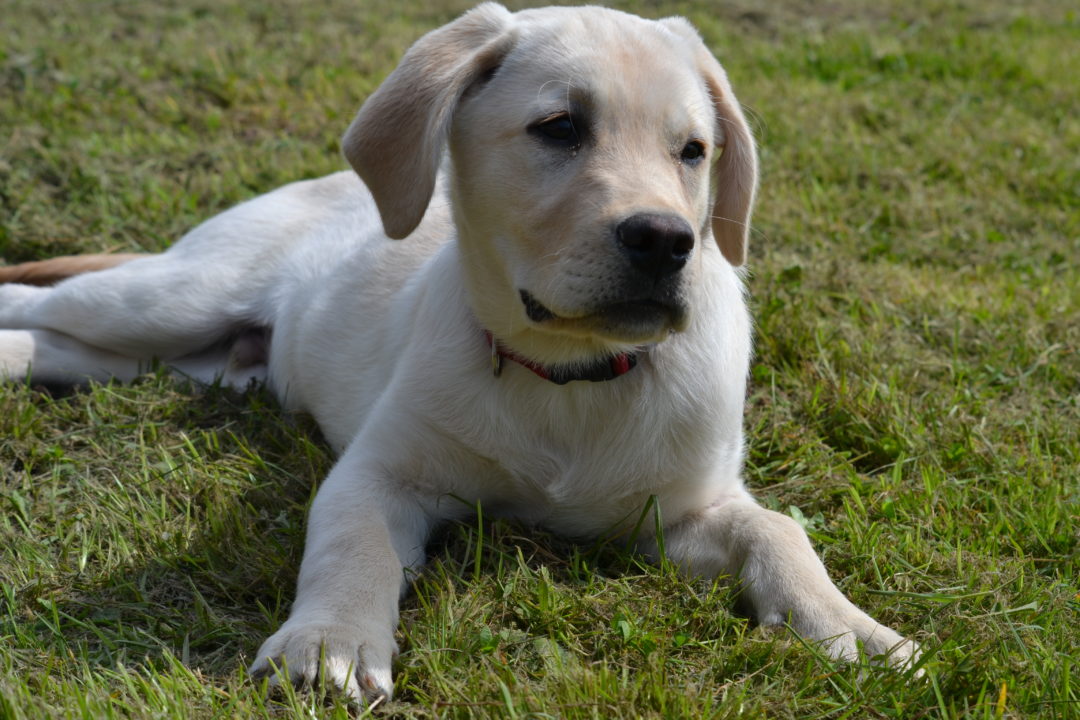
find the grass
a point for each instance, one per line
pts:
(915, 397)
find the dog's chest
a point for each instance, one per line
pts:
(586, 467)
(566, 487)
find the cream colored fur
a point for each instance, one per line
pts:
(383, 340)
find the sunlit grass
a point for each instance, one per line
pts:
(915, 396)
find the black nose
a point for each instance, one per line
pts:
(657, 245)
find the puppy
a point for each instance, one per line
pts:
(529, 299)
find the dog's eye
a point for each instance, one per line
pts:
(559, 128)
(692, 152)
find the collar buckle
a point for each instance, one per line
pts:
(496, 356)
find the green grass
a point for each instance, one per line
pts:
(916, 394)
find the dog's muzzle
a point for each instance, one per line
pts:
(648, 297)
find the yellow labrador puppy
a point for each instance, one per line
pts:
(558, 330)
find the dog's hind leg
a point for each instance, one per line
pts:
(52, 358)
(160, 306)
(49, 357)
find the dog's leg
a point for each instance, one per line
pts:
(781, 576)
(158, 306)
(17, 302)
(51, 357)
(365, 537)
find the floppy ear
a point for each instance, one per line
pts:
(396, 141)
(734, 173)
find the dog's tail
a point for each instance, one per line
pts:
(52, 271)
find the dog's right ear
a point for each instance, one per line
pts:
(396, 141)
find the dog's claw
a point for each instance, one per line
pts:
(340, 657)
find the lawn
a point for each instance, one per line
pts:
(915, 397)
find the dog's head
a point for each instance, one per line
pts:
(593, 154)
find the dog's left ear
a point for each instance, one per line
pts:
(396, 141)
(735, 173)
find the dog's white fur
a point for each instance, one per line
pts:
(382, 341)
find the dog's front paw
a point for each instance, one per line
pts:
(846, 633)
(343, 656)
(823, 615)
(861, 634)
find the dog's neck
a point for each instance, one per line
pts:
(607, 368)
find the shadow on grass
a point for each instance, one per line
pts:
(213, 486)
(200, 498)
(204, 536)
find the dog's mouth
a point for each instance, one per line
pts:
(636, 320)
(535, 309)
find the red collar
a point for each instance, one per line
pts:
(606, 369)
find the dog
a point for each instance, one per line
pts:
(531, 298)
